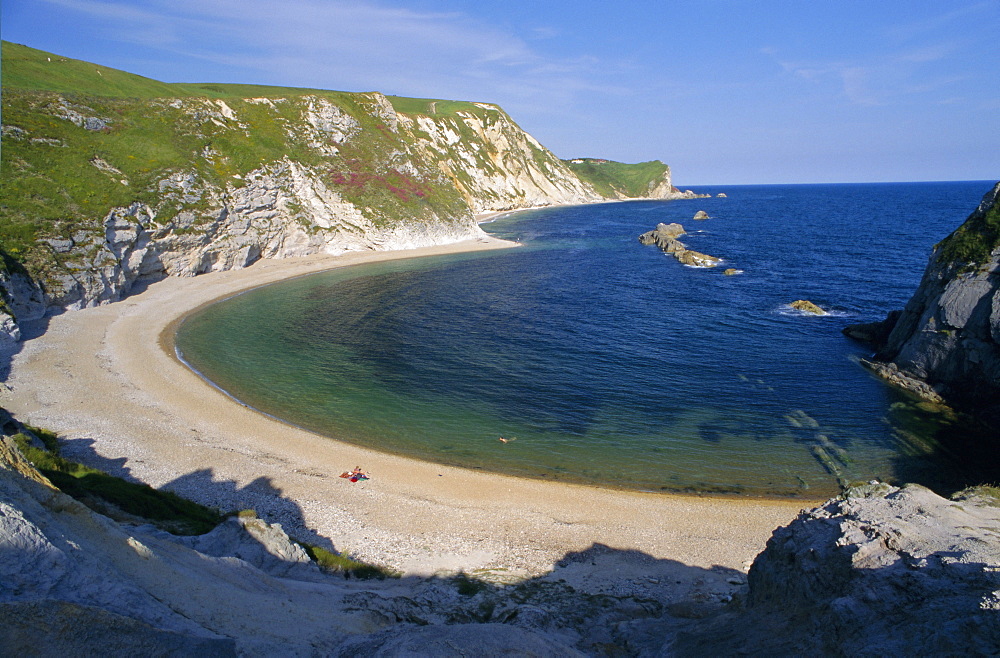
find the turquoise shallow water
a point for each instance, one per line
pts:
(611, 363)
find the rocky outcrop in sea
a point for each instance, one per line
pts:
(665, 237)
(807, 306)
(945, 344)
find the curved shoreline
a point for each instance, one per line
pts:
(168, 342)
(104, 381)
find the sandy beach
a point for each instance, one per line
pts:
(106, 379)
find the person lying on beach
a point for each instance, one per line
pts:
(355, 475)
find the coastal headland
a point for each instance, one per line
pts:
(107, 380)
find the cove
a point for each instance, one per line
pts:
(603, 361)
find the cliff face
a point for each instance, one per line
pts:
(418, 182)
(945, 344)
(492, 162)
(110, 181)
(618, 180)
(663, 188)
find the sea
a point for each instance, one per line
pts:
(600, 360)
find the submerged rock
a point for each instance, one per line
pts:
(701, 214)
(732, 271)
(807, 306)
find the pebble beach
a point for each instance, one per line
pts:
(107, 380)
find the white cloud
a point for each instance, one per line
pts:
(344, 44)
(145, 26)
(912, 29)
(545, 33)
(929, 53)
(881, 79)
(857, 84)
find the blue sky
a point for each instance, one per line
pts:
(725, 91)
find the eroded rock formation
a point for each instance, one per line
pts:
(665, 237)
(945, 344)
(880, 571)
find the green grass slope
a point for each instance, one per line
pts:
(56, 186)
(973, 241)
(80, 140)
(432, 106)
(28, 68)
(613, 179)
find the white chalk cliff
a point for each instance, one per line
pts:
(364, 177)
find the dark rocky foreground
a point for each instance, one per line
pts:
(881, 570)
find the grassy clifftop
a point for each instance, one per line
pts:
(114, 176)
(972, 243)
(28, 68)
(618, 179)
(80, 139)
(434, 106)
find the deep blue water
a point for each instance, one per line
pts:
(610, 362)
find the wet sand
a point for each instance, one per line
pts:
(107, 380)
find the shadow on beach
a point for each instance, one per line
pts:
(10, 349)
(599, 600)
(267, 500)
(203, 487)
